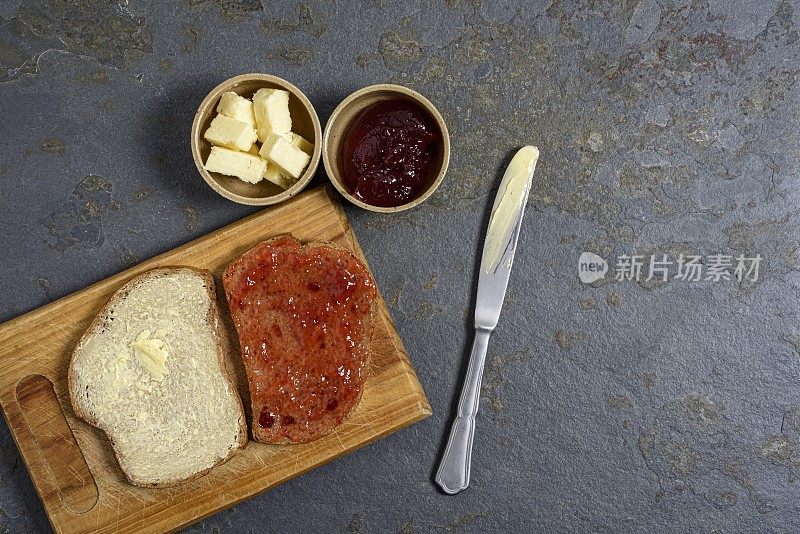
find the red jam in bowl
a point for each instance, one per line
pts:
(389, 154)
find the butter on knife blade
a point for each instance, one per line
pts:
(512, 194)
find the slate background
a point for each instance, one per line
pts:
(665, 126)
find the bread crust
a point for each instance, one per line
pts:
(212, 318)
(367, 337)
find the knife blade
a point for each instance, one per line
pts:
(499, 247)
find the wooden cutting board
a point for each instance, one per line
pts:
(72, 464)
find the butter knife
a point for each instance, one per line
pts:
(498, 256)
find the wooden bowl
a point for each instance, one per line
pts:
(304, 122)
(342, 118)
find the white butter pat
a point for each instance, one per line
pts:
(237, 107)
(289, 159)
(274, 175)
(300, 142)
(230, 133)
(242, 165)
(118, 369)
(151, 353)
(271, 108)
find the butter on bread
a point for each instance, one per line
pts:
(151, 373)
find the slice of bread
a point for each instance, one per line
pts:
(150, 372)
(305, 316)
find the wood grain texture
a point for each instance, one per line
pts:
(40, 343)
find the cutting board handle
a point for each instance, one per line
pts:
(51, 452)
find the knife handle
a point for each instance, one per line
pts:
(453, 472)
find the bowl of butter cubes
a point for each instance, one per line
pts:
(256, 139)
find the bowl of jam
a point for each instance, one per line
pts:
(386, 148)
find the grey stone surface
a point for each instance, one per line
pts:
(666, 126)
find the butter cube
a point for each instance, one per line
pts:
(274, 175)
(289, 159)
(230, 133)
(271, 108)
(237, 107)
(239, 164)
(300, 142)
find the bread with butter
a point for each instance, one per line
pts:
(150, 372)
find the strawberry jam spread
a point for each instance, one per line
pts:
(389, 153)
(304, 318)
